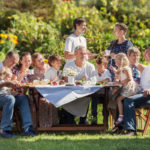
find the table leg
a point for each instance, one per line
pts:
(106, 109)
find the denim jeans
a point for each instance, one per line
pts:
(7, 105)
(129, 106)
(23, 105)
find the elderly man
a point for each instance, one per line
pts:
(10, 61)
(8, 101)
(138, 100)
(84, 72)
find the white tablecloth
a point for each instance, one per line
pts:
(72, 98)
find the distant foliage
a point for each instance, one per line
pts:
(41, 28)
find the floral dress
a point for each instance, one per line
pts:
(130, 88)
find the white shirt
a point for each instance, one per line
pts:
(1, 66)
(51, 73)
(86, 70)
(72, 42)
(145, 78)
(105, 75)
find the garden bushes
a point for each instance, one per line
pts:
(47, 34)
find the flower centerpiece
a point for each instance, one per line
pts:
(70, 73)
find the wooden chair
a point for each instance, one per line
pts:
(144, 117)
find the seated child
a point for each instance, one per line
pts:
(129, 87)
(101, 74)
(53, 73)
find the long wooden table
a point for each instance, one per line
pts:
(100, 127)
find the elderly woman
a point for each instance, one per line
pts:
(40, 67)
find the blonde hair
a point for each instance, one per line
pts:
(133, 50)
(123, 59)
(4, 73)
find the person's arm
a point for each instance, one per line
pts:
(69, 55)
(141, 67)
(146, 92)
(128, 75)
(8, 84)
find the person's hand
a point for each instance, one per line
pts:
(12, 84)
(146, 93)
(112, 68)
(84, 78)
(106, 52)
(112, 55)
(92, 56)
(55, 79)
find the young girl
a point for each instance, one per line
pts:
(124, 76)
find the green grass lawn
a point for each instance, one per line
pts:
(78, 141)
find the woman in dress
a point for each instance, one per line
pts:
(120, 45)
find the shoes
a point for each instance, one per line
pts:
(119, 120)
(129, 133)
(28, 132)
(6, 134)
(117, 130)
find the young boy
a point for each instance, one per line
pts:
(53, 73)
(101, 74)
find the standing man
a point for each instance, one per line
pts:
(76, 39)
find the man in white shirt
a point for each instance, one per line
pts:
(84, 68)
(84, 71)
(137, 100)
(77, 39)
